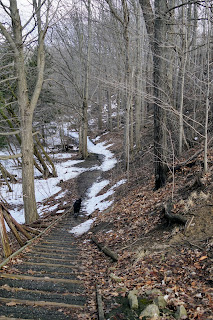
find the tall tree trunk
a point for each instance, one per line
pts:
(26, 107)
(138, 80)
(159, 99)
(26, 111)
(86, 88)
(127, 85)
(109, 109)
(207, 91)
(28, 170)
(84, 128)
(100, 102)
(183, 63)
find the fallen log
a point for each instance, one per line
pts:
(31, 230)
(39, 225)
(4, 236)
(7, 217)
(172, 218)
(20, 228)
(108, 252)
(99, 304)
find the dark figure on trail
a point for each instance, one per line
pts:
(77, 207)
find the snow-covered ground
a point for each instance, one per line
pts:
(45, 188)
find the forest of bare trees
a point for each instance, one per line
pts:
(109, 65)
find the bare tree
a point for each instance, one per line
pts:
(208, 88)
(125, 20)
(84, 122)
(156, 30)
(16, 36)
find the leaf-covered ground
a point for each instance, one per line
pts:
(152, 252)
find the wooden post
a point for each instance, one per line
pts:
(4, 236)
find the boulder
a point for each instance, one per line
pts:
(154, 292)
(133, 299)
(181, 313)
(115, 278)
(160, 302)
(151, 311)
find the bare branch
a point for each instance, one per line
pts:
(14, 156)
(9, 133)
(113, 11)
(8, 37)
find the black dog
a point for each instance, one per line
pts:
(77, 207)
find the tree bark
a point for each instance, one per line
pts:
(109, 107)
(173, 218)
(86, 88)
(207, 94)
(159, 100)
(26, 107)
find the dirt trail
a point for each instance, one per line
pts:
(87, 178)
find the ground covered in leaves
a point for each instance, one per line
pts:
(153, 253)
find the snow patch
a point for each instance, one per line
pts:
(82, 228)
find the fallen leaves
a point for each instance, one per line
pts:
(203, 258)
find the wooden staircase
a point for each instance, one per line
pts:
(45, 283)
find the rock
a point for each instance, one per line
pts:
(112, 269)
(154, 293)
(115, 278)
(160, 302)
(133, 299)
(181, 313)
(151, 311)
(121, 289)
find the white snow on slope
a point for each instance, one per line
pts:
(82, 227)
(45, 188)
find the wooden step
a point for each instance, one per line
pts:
(24, 277)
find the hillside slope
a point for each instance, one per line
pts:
(154, 253)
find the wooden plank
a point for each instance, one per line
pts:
(6, 318)
(23, 277)
(57, 242)
(53, 254)
(31, 230)
(51, 259)
(100, 304)
(48, 264)
(41, 303)
(12, 227)
(46, 293)
(53, 248)
(4, 236)
(20, 228)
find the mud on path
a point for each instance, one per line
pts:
(87, 178)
